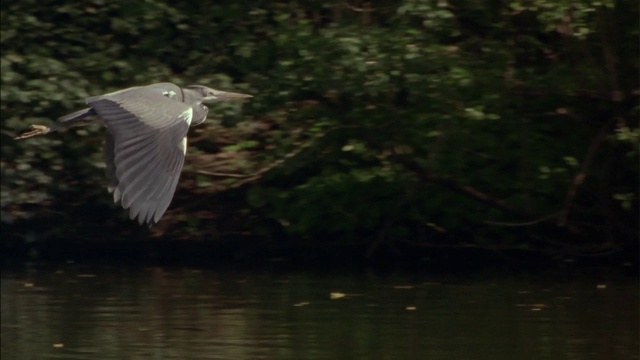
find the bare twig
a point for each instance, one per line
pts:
(451, 184)
(616, 96)
(217, 174)
(256, 175)
(528, 223)
(581, 175)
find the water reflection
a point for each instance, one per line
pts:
(155, 313)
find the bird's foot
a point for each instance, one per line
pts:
(35, 131)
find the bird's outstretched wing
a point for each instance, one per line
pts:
(145, 148)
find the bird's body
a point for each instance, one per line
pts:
(146, 140)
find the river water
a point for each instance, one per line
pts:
(83, 312)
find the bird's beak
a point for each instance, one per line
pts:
(225, 95)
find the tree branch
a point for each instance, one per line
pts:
(581, 175)
(455, 186)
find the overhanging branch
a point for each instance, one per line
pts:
(451, 184)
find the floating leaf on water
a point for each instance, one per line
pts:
(403, 287)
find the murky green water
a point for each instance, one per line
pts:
(76, 312)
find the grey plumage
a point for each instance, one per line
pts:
(146, 140)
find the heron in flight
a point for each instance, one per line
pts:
(146, 140)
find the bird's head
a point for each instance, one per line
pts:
(210, 95)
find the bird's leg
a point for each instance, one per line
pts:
(78, 118)
(36, 130)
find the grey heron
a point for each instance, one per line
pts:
(146, 140)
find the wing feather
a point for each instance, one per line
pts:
(129, 147)
(145, 148)
(109, 156)
(139, 188)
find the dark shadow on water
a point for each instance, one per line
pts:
(257, 253)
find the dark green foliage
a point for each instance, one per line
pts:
(419, 120)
